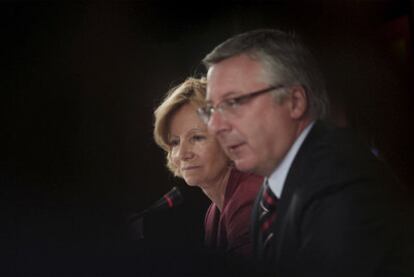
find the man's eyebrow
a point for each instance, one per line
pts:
(232, 94)
(227, 95)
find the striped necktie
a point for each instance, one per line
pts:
(267, 216)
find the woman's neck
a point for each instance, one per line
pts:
(216, 190)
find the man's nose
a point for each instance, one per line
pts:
(217, 123)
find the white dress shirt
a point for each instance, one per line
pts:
(278, 176)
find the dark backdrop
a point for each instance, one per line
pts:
(80, 81)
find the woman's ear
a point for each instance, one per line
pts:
(298, 102)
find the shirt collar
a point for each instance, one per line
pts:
(278, 176)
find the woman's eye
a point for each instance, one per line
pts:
(198, 137)
(174, 143)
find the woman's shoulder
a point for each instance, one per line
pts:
(243, 185)
(245, 179)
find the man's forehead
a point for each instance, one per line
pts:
(216, 96)
(224, 79)
(228, 80)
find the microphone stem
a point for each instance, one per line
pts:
(138, 215)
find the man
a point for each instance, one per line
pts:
(333, 208)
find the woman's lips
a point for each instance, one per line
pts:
(190, 167)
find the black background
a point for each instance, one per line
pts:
(80, 81)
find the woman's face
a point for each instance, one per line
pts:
(195, 153)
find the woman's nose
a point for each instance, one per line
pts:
(185, 152)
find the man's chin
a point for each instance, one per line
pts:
(244, 165)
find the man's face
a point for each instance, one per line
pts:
(258, 134)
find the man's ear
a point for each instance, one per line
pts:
(298, 102)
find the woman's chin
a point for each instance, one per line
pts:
(191, 182)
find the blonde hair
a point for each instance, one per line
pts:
(191, 91)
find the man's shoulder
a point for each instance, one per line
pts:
(328, 146)
(335, 157)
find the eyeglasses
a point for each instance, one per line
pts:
(230, 106)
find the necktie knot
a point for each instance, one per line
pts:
(269, 199)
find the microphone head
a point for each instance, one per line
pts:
(169, 200)
(174, 197)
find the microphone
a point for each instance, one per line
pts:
(169, 200)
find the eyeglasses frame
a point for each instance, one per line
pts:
(232, 102)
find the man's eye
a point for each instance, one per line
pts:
(232, 102)
(209, 110)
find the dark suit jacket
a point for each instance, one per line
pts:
(340, 212)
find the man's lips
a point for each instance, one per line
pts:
(234, 147)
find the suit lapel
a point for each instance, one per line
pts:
(290, 201)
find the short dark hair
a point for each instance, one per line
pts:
(284, 58)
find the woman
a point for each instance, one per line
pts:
(195, 155)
